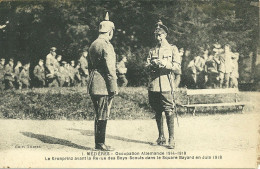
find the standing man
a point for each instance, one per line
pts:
(9, 75)
(84, 68)
(2, 73)
(225, 61)
(25, 76)
(17, 71)
(160, 90)
(121, 69)
(39, 74)
(103, 80)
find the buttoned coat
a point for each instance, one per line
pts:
(162, 78)
(102, 67)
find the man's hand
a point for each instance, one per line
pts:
(112, 94)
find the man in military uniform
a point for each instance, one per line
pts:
(51, 68)
(224, 61)
(234, 75)
(84, 68)
(25, 76)
(103, 80)
(121, 69)
(17, 71)
(211, 68)
(162, 61)
(2, 73)
(39, 74)
(9, 75)
(196, 68)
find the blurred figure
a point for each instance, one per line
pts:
(2, 73)
(84, 68)
(234, 75)
(25, 76)
(224, 60)
(51, 68)
(121, 70)
(196, 69)
(77, 75)
(9, 75)
(72, 72)
(39, 74)
(211, 68)
(177, 73)
(64, 78)
(17, 71)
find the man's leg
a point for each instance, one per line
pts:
(168, 105)
(154, 101)
(226, 80)
(221, 79)
(100, 104)
(177, 80)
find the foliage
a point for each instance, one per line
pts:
(72, 25)
(75, 104)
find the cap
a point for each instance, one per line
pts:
(53, 49)
(2, 59)
(12, 60)
(160, 28)
(41, 60)
(63, 62)
(217, 45)
(106, 25)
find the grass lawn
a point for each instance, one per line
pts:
(74, 103)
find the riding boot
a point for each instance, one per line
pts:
(170, 124)
(159, 120)
(101, 135)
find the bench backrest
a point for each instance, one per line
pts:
(212, 91)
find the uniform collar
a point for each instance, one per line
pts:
(163, 44)
(102, 36)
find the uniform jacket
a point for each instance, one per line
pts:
(211, 66)
(162, 78)
(225, 62)
(25, 76)
(9, 72)
(197, 66)
(50, 63)
(39, 72)
(17, 71)
(234, 68)
(83, 65)
(121, 67)
(102, 67)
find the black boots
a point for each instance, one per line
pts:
(159, 120)
(170, 124)
(100, 135)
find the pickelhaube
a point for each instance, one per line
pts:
(106, 25)
(160, 28)
(53, 49)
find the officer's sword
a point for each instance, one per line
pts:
(170, 80)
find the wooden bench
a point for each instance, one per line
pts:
(193, 92)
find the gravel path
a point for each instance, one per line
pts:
(232, 137)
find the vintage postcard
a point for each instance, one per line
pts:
(129, 84)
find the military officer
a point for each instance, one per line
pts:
(103, 80)
(2, 73)
(25, 76)
(51, 68)
(9, 75)
(17, 71)
(234, 75)
(121, 69)
(84, 68)
(162, 61)
(39, 74)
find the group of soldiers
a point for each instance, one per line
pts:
(215, 69)
(52, 73)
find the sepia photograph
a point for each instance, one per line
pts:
(130, 84)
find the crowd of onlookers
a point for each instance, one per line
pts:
(213, 69)
(208, 69)
(53, 72)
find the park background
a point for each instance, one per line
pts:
(71, 26)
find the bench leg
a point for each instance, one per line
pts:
(194, 111)
(188, 110)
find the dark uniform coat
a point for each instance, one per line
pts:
(102, 67)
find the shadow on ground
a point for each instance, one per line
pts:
(53, 140)
(91, 133)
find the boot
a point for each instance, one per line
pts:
(170, 124)
(100, 135)
(159, 120)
